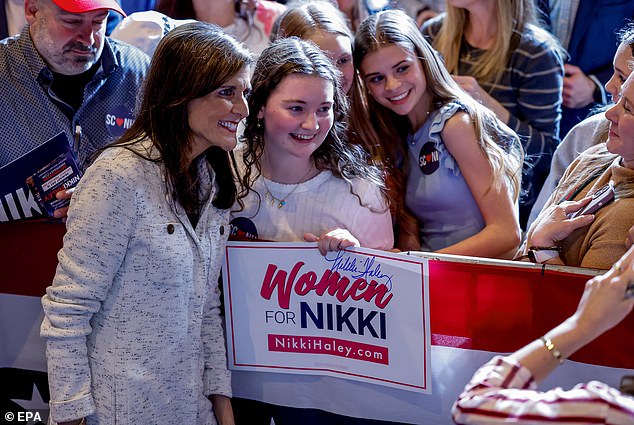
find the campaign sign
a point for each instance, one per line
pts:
(358, 314)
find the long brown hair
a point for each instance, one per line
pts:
(190, 62)
(288, 56)
(383, 132)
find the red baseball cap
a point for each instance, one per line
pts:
(81, 6)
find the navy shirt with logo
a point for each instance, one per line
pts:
(32, 113)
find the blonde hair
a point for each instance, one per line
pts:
(308, 18)
(512, 16)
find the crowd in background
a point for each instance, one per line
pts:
(493, 128)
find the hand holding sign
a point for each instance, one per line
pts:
(333, 240)
(355, 314)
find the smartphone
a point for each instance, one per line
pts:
(601, 197)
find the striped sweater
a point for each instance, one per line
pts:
(530, 89)
(503, 391)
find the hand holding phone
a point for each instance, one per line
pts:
(601, 197)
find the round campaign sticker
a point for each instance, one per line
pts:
(243, 228)
(118, 120)
(428, 158)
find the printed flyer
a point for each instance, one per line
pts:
(28, 185)
(357, 314)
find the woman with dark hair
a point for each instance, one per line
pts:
(305, 183)
(132, 318)
(302, 176)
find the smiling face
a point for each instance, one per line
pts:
(339, 48)
(297, 117)
(395, 79)
(70, 43)
(622, 70)
(621, 116)
(213, 118)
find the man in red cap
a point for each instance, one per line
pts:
(69, 34)
(62, 74)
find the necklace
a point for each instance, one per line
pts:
(282, 201)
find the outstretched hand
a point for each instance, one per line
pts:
(333, 240)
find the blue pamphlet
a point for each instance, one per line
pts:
(28, 185)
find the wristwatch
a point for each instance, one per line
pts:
(541, 254)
